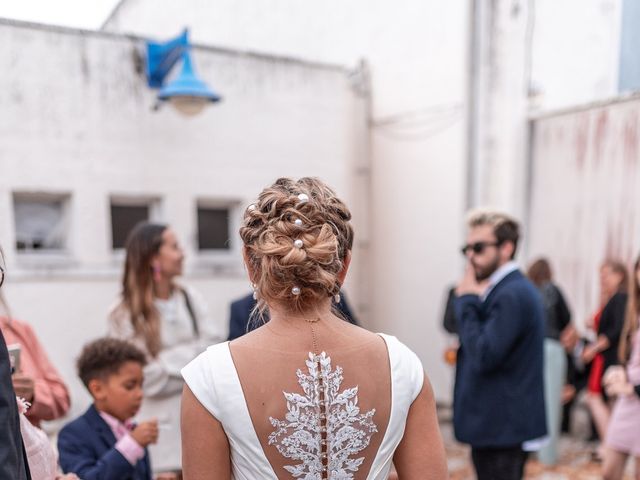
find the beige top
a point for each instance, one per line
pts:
(162, 379)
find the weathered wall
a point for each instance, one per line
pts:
(417, 51)
(76, 118)
(585, 195)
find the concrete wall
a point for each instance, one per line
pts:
(585, 193)
(533, 57)
(417, 52)
(76, 118)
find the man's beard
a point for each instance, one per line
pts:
(482, 273)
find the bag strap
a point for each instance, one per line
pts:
(192, 313)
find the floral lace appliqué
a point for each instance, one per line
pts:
(324, 427)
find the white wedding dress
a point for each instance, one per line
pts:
(319, 431)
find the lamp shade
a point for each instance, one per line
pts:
(187, 93)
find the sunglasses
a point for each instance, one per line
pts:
(478, 247)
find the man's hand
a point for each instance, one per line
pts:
(146, 433)
(24, 386)
(469, 285)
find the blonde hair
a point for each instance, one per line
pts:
(631, 316)
(270, 230)
(505, 227)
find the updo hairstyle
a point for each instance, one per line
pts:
(297, 237)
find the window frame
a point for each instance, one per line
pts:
(45, 257)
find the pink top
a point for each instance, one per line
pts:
(125, 443)
(51, 397)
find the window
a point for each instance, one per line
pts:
(126, 213)
(213, 228)
(41, 222)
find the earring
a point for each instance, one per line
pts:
(255, 291)
(156, 273)
(336, 298)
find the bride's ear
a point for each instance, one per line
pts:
(342, 274)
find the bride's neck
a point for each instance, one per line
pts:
(286, 318)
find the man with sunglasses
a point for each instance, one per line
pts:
(13, 459)
(498, 395)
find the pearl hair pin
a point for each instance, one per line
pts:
(303, 197)
(295, 290)
(298, 243)
(298, 222)
(251, 207)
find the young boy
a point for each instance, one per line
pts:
(103, 443)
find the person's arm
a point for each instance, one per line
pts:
(562, 310)
(205, 447)
(51, 397)
(612, 321)
(488, 337)
(210, 332)
(420, 454)
(76, 456)
(449, 320)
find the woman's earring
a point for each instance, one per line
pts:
(156, 273)
(255, 291)
(336, 298)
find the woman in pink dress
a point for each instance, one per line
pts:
(623, 433)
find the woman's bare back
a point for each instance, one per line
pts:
(318, 393)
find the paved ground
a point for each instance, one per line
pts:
(575, 462)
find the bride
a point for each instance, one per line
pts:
(308, 395)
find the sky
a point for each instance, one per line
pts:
(89, 14)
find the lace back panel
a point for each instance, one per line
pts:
(319, 421)
(323, 429)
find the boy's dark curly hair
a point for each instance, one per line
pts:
(105, 356)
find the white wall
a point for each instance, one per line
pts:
(534, 56)
(75, 117)
(586, 191)
(417, 52)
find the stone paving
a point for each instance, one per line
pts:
(575, 462)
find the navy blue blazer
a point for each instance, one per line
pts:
(498, 395)
(87, 448)
(240, 321)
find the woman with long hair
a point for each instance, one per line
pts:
(307, 395)
(603, 352)
(169, 322)
(623, 434)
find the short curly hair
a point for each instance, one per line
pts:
(105, 356)
(297, 237)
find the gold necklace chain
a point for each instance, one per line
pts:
(314, 339)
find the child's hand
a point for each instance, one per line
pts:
(146, 432)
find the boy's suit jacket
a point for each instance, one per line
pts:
(87, 448)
